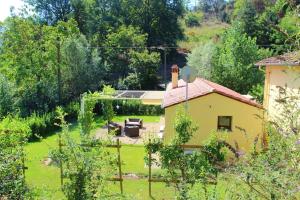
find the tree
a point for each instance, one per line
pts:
(51, 11)
(184, 170)
(120, 44)
(245, 13)
(129, 62)
(154, 19)
(201, 60)
(269, 174)
(87, 164)
(29, 70)
(233, 64)
(82, 68)
(145, 64)
(212, 6)
(7, 91)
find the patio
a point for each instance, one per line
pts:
(149, 130)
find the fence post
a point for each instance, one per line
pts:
(119, 163)
(149, 163)
(60, 162)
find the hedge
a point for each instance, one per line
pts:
(42, 125)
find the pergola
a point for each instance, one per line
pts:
(146, 97)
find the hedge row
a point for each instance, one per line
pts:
(130, 107)
(43, 125)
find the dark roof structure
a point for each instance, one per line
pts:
(288, 59)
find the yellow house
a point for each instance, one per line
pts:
(213, 107)
(282, 72)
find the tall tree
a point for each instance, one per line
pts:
(51, 11)
(233, 64)
(159, 19)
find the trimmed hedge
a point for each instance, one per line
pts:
(43, 125)
(130, 107)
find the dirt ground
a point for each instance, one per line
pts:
(150, 130)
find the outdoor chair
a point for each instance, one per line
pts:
(132, 131)
(114, 127)
(134, 122)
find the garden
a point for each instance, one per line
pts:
(89, 165)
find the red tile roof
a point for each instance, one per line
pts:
(198, 88)
(288, 59)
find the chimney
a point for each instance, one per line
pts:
(175, 71)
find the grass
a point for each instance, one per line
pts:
(45, 179)
(195, 36)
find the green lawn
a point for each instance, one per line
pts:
(45, 179)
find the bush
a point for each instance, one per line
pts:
(72, 110)
(44, 124)
(13, 137)
(41, 125)
(132, 107)
(193, 19)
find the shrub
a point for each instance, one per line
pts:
(130, 107)
(41, 125)
(72, 110)
(193, 19)
(13, 137)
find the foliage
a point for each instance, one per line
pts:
(82, 70)
(233, 64)
(272, 24)
(257, 91)
(133, 107)
(41, 125)
(145, 64)
(13, 136)
(269, 174)
(193, 19)
(7, 91)
(86, 115)
(215, 7)
(198, 36)
(34, 71)
(201, 60)
(51, 11)
(86, 168)
(154, 18)
(108, 110)
(184, 169)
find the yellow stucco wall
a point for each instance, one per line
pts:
(152, 101)
(283, 76)
(204, 112)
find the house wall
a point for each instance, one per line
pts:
(247, 122)
(152, 101)
(285, 77)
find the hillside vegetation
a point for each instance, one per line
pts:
(197, 35)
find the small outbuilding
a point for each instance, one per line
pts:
(213, 108)
(282, 79)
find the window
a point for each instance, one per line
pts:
(224, 123)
